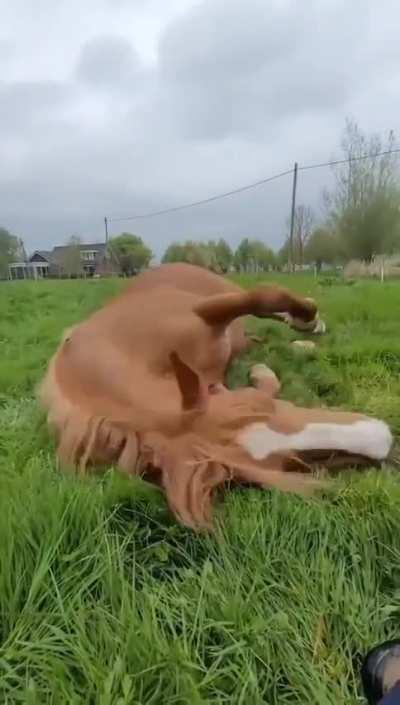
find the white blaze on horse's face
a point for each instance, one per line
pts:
(367, 437)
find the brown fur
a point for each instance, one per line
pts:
(130, 386)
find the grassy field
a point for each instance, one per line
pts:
(105, 600)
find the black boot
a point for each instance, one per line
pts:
(380, 674)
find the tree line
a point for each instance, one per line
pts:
(11, 250)
(250, 256)
(359, 218)
(360, 214)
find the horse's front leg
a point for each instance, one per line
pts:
(316, 325)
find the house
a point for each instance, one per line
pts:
(36, 267)
(82, 260)
(86, 260)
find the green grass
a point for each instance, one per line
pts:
(105, 600)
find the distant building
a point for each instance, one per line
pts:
(63, 261)
(91, 260)
(36, 266)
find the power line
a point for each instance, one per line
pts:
(247, 187)
(152, 214)
(350, 159)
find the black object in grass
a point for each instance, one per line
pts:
(380, 674)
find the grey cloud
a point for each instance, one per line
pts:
(232, 70)
(7, 49)
(239, 91)
(108, 62)
(24, 104)
(219, 39)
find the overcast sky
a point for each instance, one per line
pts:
(117, 107)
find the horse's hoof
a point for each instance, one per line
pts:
(320, 327)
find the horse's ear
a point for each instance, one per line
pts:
(193, 391)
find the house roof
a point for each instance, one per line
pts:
(83, 246)
(54, 255)
(59, 250)
(44, 254)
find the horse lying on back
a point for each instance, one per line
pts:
(140, 384)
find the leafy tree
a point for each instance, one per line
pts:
(363, 207)
(11, 250)
(242, 257)
(223, 255)
(262, 257)
(175, 252)
(200, 254)
(322, 247)
(372, 229)
(253, 256)
(284, 254)
(130, 252)
(211, 255)
(71, 263)
(250, 256)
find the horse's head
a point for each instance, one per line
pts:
(249, 436)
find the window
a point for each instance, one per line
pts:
(88, 255)
(89, 269)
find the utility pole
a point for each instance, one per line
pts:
(106, 252)
(291, 246)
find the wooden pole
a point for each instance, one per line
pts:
(291, 244)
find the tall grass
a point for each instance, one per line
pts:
(105, 600)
